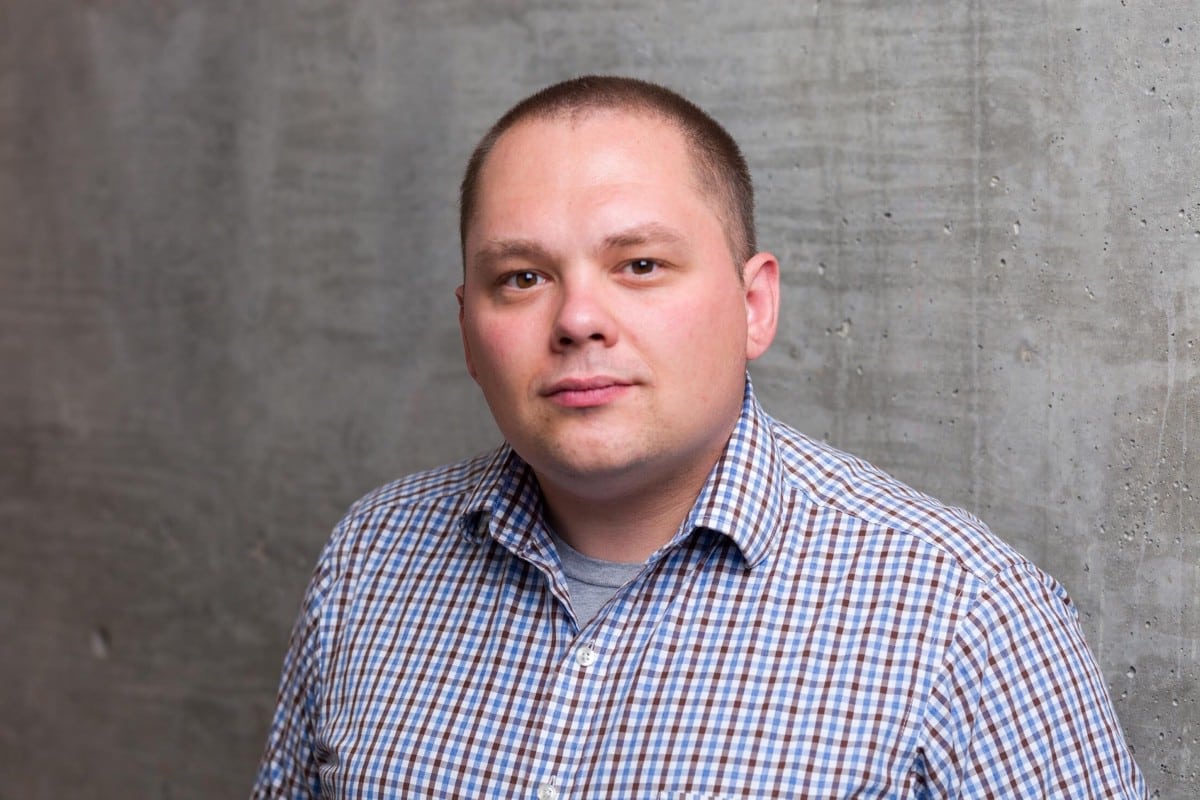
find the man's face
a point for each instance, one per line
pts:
(601, 312)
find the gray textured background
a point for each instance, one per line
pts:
(227, 251)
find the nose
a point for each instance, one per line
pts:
(584, 315)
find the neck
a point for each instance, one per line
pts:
(623, 525)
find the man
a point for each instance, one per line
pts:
(653, 589)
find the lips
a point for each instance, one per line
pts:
(586, 392)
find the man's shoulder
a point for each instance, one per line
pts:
(449, 482)
(832, 481)
(419, 512)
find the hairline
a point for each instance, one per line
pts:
(708, 175)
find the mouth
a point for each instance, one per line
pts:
(586, 392)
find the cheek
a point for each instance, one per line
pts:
(496, 348)
(690, 332)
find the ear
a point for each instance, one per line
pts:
(760, 279)
(462, 329)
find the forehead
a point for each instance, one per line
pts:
(568, 143)
(545, 163)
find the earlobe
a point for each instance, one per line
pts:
(462, 329)
(760, 277)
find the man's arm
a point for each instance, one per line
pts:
(288, 768)
(1020, 709)
(289, 764)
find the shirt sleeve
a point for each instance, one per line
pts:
(289, 766)
(1020, 708)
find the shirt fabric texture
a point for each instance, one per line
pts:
(814, 629)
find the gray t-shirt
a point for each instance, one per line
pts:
(591, 581)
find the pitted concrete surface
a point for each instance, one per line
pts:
(227, 252)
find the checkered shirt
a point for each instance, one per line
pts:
(814, 629)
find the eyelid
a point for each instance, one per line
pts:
(507, 280)
(628, 263)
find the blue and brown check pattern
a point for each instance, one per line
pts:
(815, 629)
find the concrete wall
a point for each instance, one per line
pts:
(227, 250)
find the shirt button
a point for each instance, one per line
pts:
(585, 656)
(547, 792)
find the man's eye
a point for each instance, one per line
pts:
(643, 266)
(523, 280)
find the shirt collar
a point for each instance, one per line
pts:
(506, 504)
(741, 498)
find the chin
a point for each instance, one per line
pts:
(592, 460)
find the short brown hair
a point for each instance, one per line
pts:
(719, 164)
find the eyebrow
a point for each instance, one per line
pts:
(529, 250)
(646, 233)
(502, 249)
